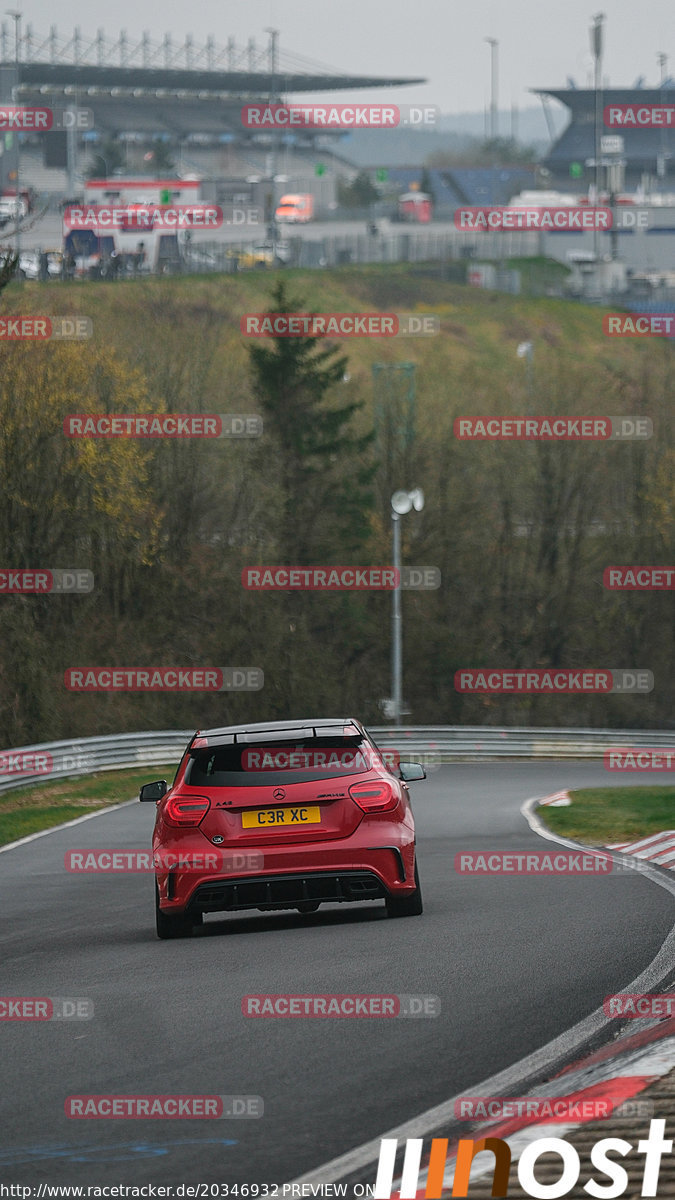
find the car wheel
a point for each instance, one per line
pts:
(171, 925)
(308, 906)
(406, 906)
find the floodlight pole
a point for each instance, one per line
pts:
(596, 48)
(396, 621)
(17, 28)
(494, 68)
(662, 156)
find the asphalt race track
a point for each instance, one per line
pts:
(515, 962)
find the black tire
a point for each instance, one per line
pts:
(308, 906)
(407, 906)
(171, 925)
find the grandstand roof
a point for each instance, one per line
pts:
(257, 83)
(582, 99)
(577, 141)
(102, 62)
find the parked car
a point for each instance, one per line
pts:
(30, 266)
(12, 208)
(265, 254)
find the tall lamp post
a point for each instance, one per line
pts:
(663, 155)
(401, 503)
(11, 12)
(596, 50)
(494, 53)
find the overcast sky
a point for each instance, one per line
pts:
(540, 42)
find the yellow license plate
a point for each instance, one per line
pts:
(272, 818)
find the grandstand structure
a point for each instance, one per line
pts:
(452, 187)
(647, 152)
(186, 94)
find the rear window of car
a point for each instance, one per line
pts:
(281, 762)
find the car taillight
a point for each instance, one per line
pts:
(186, 810)
(374, 797)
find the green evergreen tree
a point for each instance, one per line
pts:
(162, 158)
(9, 261)
(360, 193)
(426, 185)
(106, 161)
(324, 466)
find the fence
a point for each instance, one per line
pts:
(360, 246)
(434, 745)
(357, 247)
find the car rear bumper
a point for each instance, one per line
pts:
(286, 891)
(324, 872)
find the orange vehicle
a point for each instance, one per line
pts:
(295, 209)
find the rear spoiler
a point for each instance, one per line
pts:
(202, 741)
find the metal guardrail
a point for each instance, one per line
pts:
(476, 743)
(432, 745)
(64, 760)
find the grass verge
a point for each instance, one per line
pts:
(600, 816)
(28, 810)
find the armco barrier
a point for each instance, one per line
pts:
(438, 744)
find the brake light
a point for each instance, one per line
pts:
(186, 810)
(374, 797)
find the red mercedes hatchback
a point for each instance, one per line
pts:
(292, 814)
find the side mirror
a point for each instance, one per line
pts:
(410, 772)
(153, 791)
